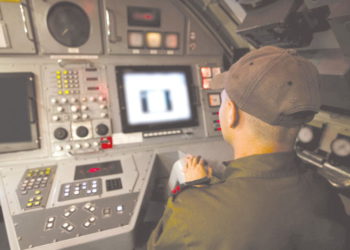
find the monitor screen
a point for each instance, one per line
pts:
(155, 97)
(18, 127)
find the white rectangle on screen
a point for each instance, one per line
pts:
(156, 97)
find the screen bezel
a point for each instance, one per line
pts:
(28, 79)
(126, 127)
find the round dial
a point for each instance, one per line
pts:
(82, 131)
(68, 24)
(102, 129)
(341, 147)
(60, 133)
(306, 135)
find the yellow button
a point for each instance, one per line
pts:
(41, 173)
(65, 81)
(66, 92)
(65, 72)
(29, 175)
(60, 92)
(37, 192)
(58, 77)
(31, 200)
(58, 72)
(29, 204)
(38, 198)
(37, 203)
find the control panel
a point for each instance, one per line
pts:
(62, 223)
(34, 188)
(325, 143)
(78, 109)
(53, 203)
(212, 99)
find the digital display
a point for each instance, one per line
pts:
(143, 17)
(153, 98)
(18, 127)
(97, 169)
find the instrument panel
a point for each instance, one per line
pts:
(87, 182)
(96, 157)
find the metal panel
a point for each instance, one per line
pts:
(49, 45)
(318, 3)
(339, 20)
(16, 29)
(171, 20)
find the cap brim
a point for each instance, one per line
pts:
(218, 81)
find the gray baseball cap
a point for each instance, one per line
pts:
(273, 84)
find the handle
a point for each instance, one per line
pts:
(111, 27)
(31, 100)
(24, 9)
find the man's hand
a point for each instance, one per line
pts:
(195, 169)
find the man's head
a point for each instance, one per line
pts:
(273, 88)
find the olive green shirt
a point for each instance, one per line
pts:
(267, 202)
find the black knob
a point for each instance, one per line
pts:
(60, 133)
(82, 131)
(102, 129)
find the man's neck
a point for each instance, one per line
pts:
(253, 146)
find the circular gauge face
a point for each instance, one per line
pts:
(341, 147)
(68, 24)
(305, 135)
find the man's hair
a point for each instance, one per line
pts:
(267, 132)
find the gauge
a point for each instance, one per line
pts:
(305, 135)
(68, 24)
(341, 147)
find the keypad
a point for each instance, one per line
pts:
(114, 184)
(34, 187)
(67, 82)
(80, 189)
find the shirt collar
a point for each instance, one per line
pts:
(265, 165)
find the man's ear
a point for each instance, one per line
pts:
(233, 114)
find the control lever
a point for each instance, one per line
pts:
(177, 176)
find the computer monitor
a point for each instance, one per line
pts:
(155, 98)
(18, 112)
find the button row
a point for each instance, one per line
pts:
(67, 72)
(34, 201)
(50, 223)
(64, 100)
(67, 226)
(161, 133)
(90, 207)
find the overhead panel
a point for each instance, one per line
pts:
(339, 20)
(68, 27)
(16, 34)
(148, 27)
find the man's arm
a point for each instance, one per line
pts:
(171, 231)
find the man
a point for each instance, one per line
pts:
(269, 200)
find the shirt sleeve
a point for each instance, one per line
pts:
(171, 231)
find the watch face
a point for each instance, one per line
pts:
(341, 147)
(306, 135)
